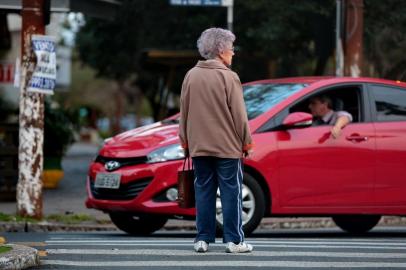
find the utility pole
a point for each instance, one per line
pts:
(230, 13)
(30, 156)
(339, 42)
(354, 10)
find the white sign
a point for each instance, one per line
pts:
(44, 76)
(223, 3)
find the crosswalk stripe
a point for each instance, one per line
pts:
(311, 240)
(216, 253)
(257, 245)
(253, 242)
(229, 263)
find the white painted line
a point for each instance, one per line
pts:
(190, 241)
(216, 253)
(250, 240)
(257, 245)
(254, 242)
(230, 263)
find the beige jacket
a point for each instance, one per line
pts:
(213, 119)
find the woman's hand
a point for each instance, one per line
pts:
(248, 153)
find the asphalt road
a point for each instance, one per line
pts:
(383, 248)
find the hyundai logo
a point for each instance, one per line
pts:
(112, 165)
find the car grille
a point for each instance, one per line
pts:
(122, 161)
(126, 191)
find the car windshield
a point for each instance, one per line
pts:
(259, 98)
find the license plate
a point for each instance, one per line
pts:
(107, 180)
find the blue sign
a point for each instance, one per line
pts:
(197, 2)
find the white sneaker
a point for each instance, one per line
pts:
(238, 248)
(201, 246)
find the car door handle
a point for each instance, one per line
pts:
(357, 138)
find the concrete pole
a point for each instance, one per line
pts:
(30, 156)
(230, 18)
(339, 42)
(354, 10)
(230, 12)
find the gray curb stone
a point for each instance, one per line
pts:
(52, 227)
(20, 257)
(183, 225)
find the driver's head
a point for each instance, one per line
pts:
(320, 105)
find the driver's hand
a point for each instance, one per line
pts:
(335, 132)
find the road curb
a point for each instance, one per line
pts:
(20, 257)
(52, 227)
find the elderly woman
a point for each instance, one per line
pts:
(214, 131)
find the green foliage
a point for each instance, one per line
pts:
(114, 48)
(290, 33)
(385, 39)
(281, 30)
(6, 109)
(11, 218)
(4, 249)
(58, 131)
(5, 217)
(295, 37)
(69, 218)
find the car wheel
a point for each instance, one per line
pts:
(356, 223)
(137, 225)
(253, 205)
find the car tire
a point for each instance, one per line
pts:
(137, 224)
(356, 223)
(254, 198)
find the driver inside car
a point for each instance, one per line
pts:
(321, 108)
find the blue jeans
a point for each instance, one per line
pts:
(225, 173)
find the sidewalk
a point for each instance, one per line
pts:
(70, 195)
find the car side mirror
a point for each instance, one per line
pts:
(297, 120)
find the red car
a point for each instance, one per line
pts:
(296, 169)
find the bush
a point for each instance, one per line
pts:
(58, 131)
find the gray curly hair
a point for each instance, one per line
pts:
(214, 41)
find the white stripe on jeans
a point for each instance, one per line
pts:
(239, 172)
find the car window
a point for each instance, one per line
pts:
(259, 98)
(343, 98)
(390, 103)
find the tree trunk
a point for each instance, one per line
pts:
(353, 40)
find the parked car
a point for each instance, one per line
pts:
(296, 169)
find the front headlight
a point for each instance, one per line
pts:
(107, 140)
(166, 153)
